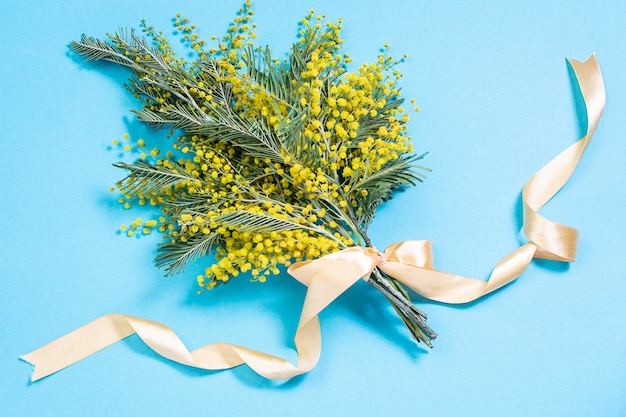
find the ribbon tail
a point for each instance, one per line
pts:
(455, 289)
(556, 241)
(326, 280)
(411, 262)
(77, 345)
(111, 328)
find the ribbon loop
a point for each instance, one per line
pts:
(412, 252)
(555, 241)
(548, 239)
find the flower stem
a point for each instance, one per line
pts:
(413, 318)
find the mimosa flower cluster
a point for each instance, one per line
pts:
(272, 160)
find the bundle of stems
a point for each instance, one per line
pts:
(271, 161)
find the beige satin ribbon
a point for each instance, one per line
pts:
(409, 262)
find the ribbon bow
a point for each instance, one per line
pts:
(409, 262)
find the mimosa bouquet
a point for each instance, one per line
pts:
(278, 163)
(273, 161)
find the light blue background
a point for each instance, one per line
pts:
(497, 103)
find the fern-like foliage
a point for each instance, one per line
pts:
(247, 221)
(93, 49)
(144, 178)
(272, 147)
(175, 257)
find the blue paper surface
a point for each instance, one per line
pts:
(497, 103)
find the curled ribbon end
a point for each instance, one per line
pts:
(592, 59)
(34, 376)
